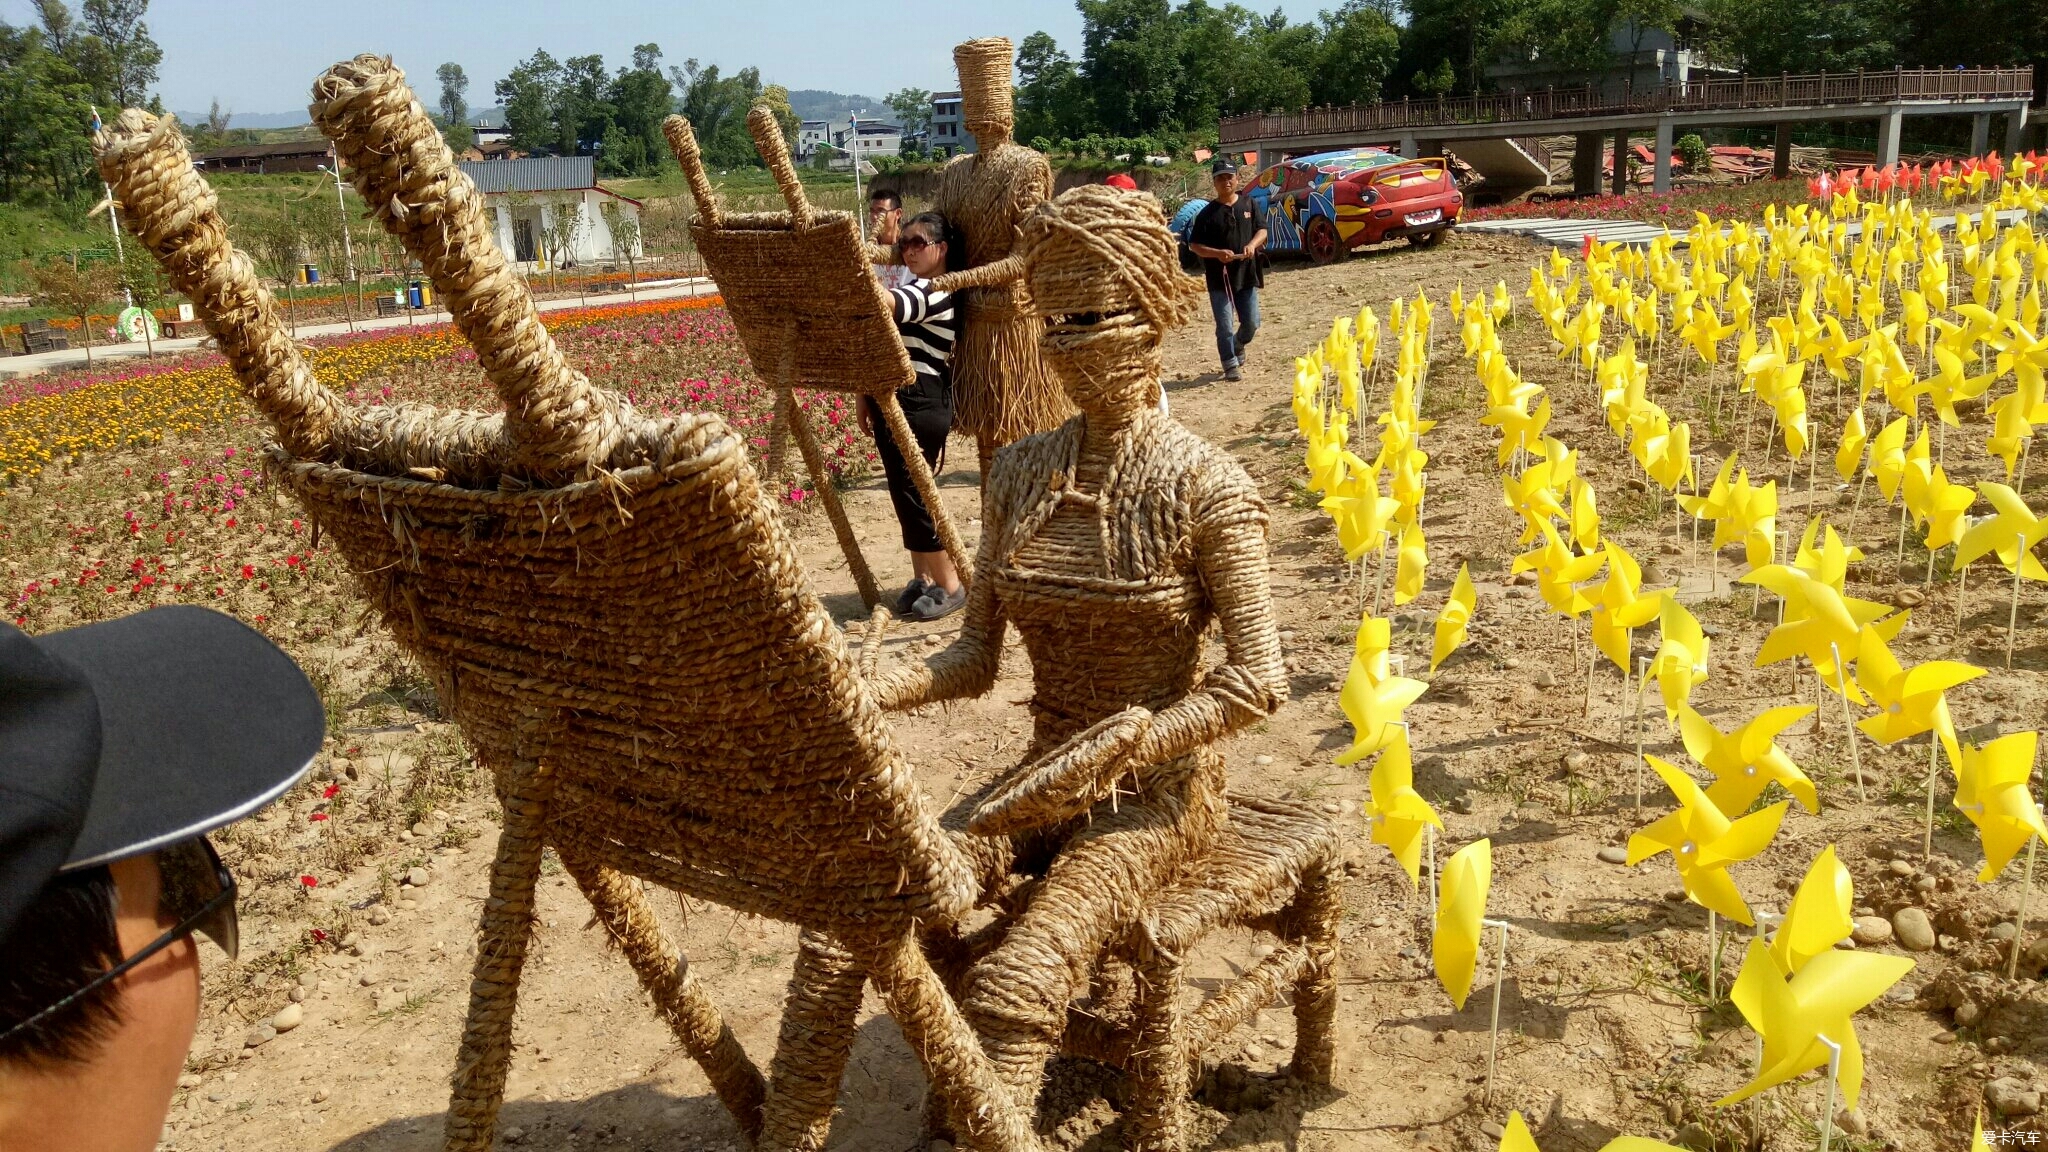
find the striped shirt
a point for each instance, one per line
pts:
(926, 320)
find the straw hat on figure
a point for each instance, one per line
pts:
(1000, 389)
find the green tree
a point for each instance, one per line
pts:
(1360, 46)
(131, 56)
(529, 95)
(77, 289)
(913, 108)
(1770, 36)
(45, 110)
(716, 107)
(636, 101)
(1049, 98)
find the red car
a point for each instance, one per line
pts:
(1332, 202)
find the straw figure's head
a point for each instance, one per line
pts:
(1104, 274)
(984, 67)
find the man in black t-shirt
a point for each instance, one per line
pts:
(1227, 235)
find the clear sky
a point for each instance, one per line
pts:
(260, 56)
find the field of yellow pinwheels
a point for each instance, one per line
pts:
(1665, 628)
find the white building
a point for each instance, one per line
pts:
(528, 197)
(949, 135)
(810, 134)
(873, 139)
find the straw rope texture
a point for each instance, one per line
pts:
(569, 573)
(1001, 391)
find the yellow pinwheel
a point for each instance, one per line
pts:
(1559, 572)
(1819, 916)
(1819, 623)
(1748, 760)
(1621, 608)
(1372, 698)
(1854, 436)
(1991, 790)
(1397, 813)
(1515, 1137)
(1519, 428)
(1461, 905)
(1453, 618)
(1681, 659)
(1669, 458)
(1829, 562)
(1753, 519)
(1887, 463)
(1716, 504)
(1910, 701)
(1534, 497)
(1410, 565)
(2012, 532)
(1793, 1015)
(1945, 510)
(1585, 517)
(1703, 842)
(1360, 514)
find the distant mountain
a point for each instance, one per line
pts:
(818, 104)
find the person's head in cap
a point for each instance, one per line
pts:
(1223, 177)
(122, 744)
(1122, 180)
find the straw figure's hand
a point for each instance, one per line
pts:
(1008, 270)
(1074, 778)
(967, 667)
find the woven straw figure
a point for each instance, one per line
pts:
(1112, 542)
(1000, 389)
(613, 615)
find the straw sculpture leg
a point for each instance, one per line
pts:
(818, 1025)
(985, 1115)
(502, 938)
(1159, 1053)
(667, 979)
(835, 511)
(1312, 920)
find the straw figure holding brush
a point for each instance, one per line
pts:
(1113, 542)
(1001, 391)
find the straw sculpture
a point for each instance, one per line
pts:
(808, 308)
(1113, 543)
(1001, 390)
(612, 614)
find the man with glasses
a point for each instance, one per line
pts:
(122, 744)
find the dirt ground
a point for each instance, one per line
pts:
(1605, 1027)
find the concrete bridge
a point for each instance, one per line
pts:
(1485, 128)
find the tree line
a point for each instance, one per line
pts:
(573, 107)
(1158, 69)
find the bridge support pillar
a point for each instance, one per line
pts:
(1586, 148)
(1781, 152)
(1620, 177)
(1408, 146)
(1663, 155)
(1888, 127)
(2015, 131)
(1980, 133)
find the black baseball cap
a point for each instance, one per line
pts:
(121, 738)
(1222, 167)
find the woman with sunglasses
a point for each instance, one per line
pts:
(116, 759)
(926, 321)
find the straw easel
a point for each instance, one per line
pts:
(811, 315)
(565, 571)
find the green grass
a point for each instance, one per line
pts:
(32, 232)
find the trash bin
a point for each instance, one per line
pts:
(415, 295)
(310, 274)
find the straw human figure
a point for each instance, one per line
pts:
(1113, 542)
(1001, 390)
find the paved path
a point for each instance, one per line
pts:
(17, 366)
(1570, 235)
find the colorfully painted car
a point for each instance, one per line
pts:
(1329, 203)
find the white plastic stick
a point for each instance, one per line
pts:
(1827, 1112)
(1500, 972)
(1933, 763)
(2012, 619)
(1713, 956)
(1849, 722)
(2019, 922)
(1642, 683)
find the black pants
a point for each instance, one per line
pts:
(928, 409)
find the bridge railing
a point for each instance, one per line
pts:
(1728, 93)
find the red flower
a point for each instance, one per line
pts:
(319, 816)
(231, 521)
(328, 792)
(319, 937)
(310, 881)
(248, 571)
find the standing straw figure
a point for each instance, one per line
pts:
(1113, 542)
(1000, 389)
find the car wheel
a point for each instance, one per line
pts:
(1322, 243)
(1427, 239)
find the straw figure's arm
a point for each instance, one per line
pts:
(968, 666)
(1230, 553)
(1025, 196)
